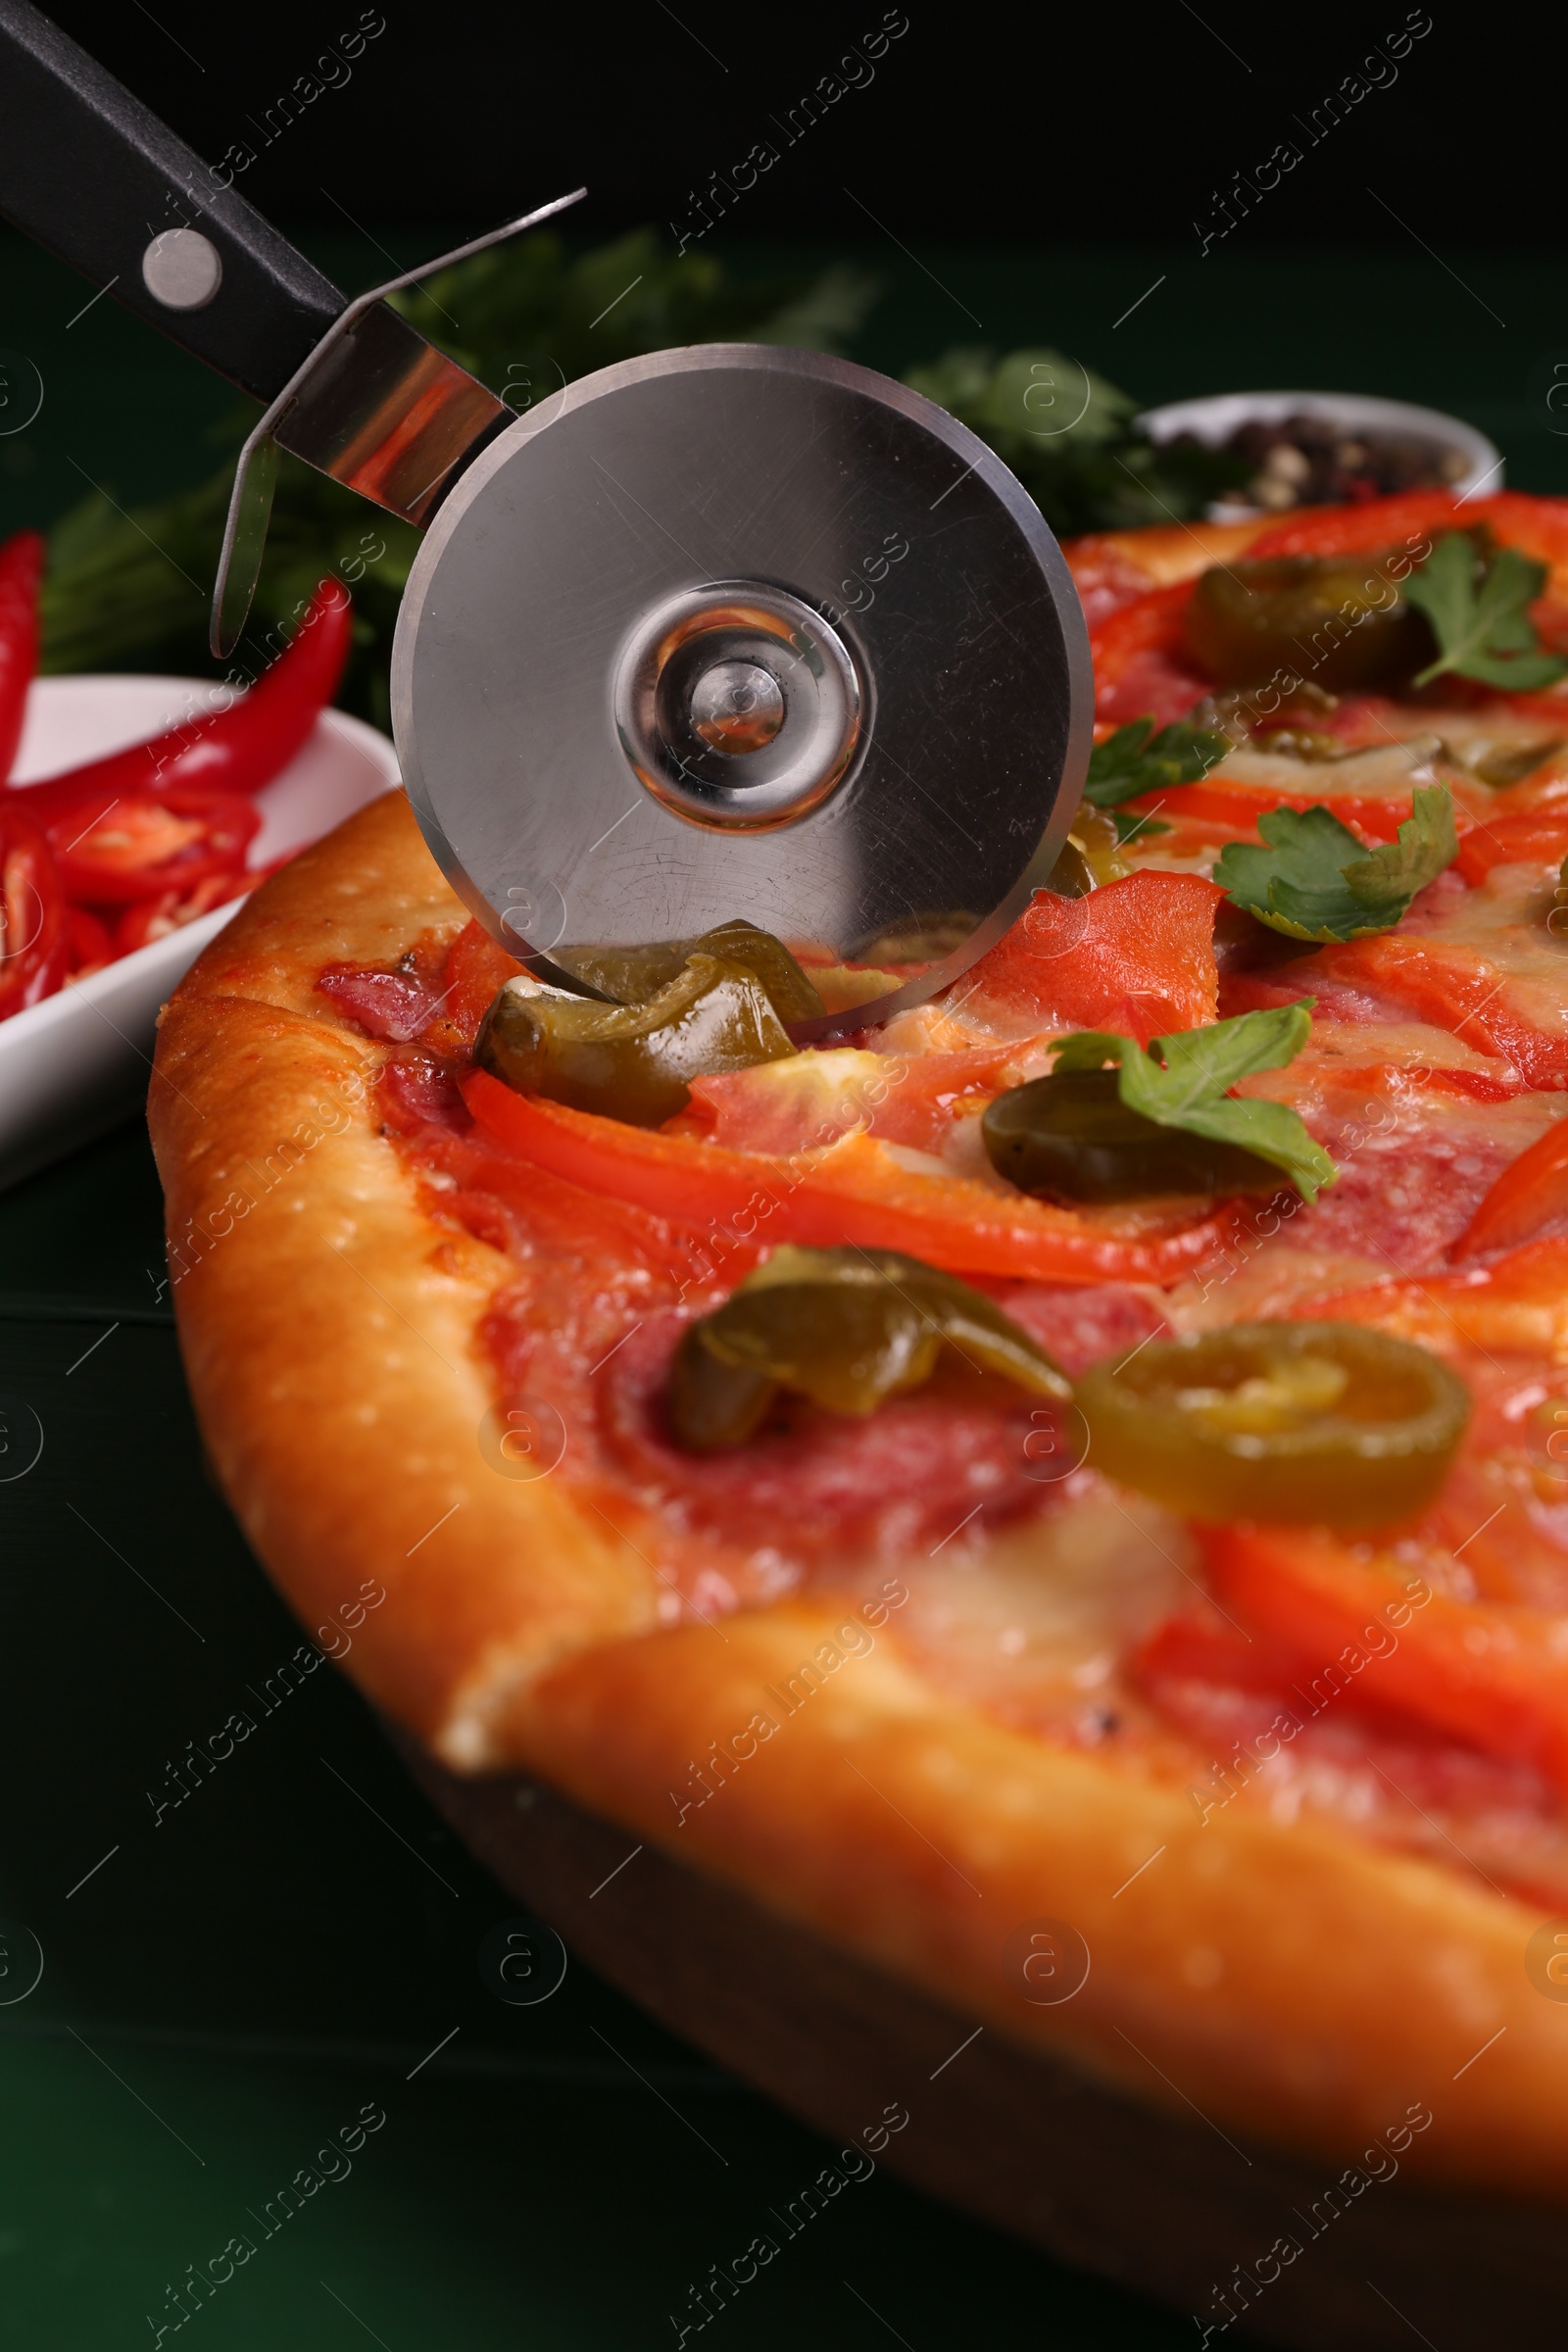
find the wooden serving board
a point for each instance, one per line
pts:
(1163, 2205)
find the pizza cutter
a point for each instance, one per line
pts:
(725, 632)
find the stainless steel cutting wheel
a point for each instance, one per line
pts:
(743, 632)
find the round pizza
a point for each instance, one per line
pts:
(1063, 1494)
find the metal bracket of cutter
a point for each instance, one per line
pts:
(385, 414)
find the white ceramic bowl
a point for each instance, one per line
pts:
(1216, 416)
(79, 1062)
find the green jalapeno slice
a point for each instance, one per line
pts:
(663, 1015)
(1339, 617)
(1332, 1424)
(1070, 1137)
(631, 1061)
(631, 975)
(847, 1328)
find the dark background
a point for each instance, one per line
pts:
(1040, 122)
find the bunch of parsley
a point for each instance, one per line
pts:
(1072, 439)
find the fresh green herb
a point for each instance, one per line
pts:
(1135, 761)
(1073, 441)
(1477, 603)
(1316, 881)
(1184, 1081)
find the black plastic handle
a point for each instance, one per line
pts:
(92, 174)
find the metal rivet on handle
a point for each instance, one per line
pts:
(183, 269)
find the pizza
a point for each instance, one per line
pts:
(1066, 1489)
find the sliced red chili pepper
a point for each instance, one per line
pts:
(138, 845)
(34, 934)
(91, 943)
(21, 570)
(145, 920)
(232, 751)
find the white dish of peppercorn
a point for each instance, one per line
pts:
(1308, 449)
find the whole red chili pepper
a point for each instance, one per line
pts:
(236, 749)
(112, 850)
(35, 940)
(21, 570)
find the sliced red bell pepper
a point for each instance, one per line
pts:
(804, 1100)
(1376, 817)
(21, 572)
(1141, 665)
(35, 942)
(1538, 526)
(1516, 1307)
(850, 1192)
(1455, 987)
(1489, 1672)
(1370, 527)
(113, 849)
(1136, 957)
(1534, 837)
(236, 749)
(1527, 1193)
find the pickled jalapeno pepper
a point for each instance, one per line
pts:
(1070, 1137)
(1334, 1424)
(663, 1015)
(846, 1328)
(631, 1061)
(1088, 855)
(631, 975)
(1339, 617)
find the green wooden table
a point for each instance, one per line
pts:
(230, 1982)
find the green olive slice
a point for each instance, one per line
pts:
(1338, 620)
(631, 1062)
(847, 1329)
(1070, 1137)
(1333, 1424)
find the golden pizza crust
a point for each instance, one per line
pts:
(1296, 1985)
(331, 1330)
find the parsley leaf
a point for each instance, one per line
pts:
(1316, 881)
(1183, 1081)
(1135, 760)
(1479, 612)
